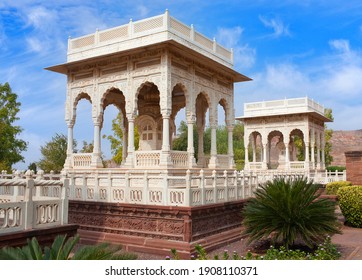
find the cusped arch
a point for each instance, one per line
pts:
(184, 90)
(227, 110)
(117, 98)
(206, 96)
(298, 132)
(145, 83)
(274, 133)
(79, 96)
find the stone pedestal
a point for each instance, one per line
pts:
(354, 167)
(157, 229)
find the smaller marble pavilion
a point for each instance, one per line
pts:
(275, 129)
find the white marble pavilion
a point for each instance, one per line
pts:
(272, 129)
(151, 69)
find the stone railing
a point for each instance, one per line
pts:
(283, 106)
(329, 176)
(32, 203)
(157, 188)
(179, 159)
(159, 28)
(255, 165)
(317, 177)
(147, 158)
(81, 160)
(297, 165)
(223, 161)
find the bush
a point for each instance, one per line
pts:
(350, 202)
(336, 168)
(332, 187)
(290, 213)
(324, 251)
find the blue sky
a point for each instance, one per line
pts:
(289, 48)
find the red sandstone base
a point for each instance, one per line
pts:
(157, 229)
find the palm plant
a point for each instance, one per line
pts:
(289, 212)
(62, 249)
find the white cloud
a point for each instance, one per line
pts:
(333, 81)
(244, 56)
(41, 18)
(277, 25)
(2, 37)
(35, 45)
(229, 37)
(142, 11)
(340, 45)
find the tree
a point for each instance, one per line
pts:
(54, 153)
(117, 139)
(62, 249)
(87, 147)
(10, 146)
(289, 211)
(32, 166)
(238, 145)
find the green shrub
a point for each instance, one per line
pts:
(350, 202)
(336, 168)
(289, 212)
(332, 187)
(325, 251)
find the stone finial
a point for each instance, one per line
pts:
(29, 174)
(40, 174)
(17, 173)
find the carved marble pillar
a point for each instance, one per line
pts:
(265, 155)
(287, 160)
(130, 147)
(213, 152)
(190, 141)
(318, 142)
(124, 145)
(165, 159)
(253, 146)
(313, 150)
(200, 151)
(96, 157)
(306, 156)
(68, 161)
(323, 163)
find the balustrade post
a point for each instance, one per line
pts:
(40, 176)
(213, 163)
(16, 188)
(236, 184)
(127, 190)
(214, 185)
(165, 188)
(202, 186)
(146, 195)
(28, 197)
(109, 186)
(72, 187)
(97, 191)
(242, 179)
(188, 188)
(64, 201)
(226, 186)
(190, 142)
(84, 188)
